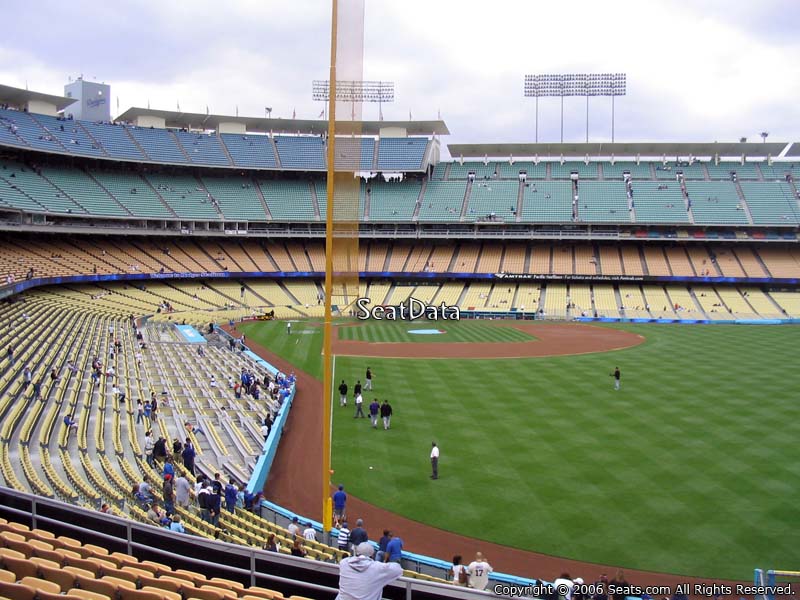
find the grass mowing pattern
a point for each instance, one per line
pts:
(454, 331)
(302, 348)
(691, 468)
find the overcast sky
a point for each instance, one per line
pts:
(697, 70)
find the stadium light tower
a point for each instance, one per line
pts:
(355, 91)
(575, 84)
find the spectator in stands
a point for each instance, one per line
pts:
(564, 582)
(144, 492)
(619, 582)
(176, 524)
(204, 502)
(339, 504)
(214, 505)
(169, 494)
(272, 545)
(160, 449)
(394, 550)
(265, 431)
(10, 354)
(27, 376)
(359, 534)
(169, 468)
(105, 508)
(230, 495)
(361, 577)
(183, 491)
(37, 390)
(193, 428)
(601, 587)
(70, 423)
(177, 448)
(240, 497)
(386, 414)
(188, 455)
(459, 571)
(149, 445)
(257, 499)
(155, 514)
(148, 410)
(343, 540)
(294, 527)
(309, 533)
(298, 549)
(479, 571)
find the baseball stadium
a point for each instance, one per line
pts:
(595, 338)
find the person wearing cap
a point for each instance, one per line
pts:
(577, 594)
(294, 527)
(339, 502)
(361, 578)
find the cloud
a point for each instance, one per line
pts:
(697, 71)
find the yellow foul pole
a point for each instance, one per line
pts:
(327, 358)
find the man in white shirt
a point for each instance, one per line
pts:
(563, 586)
(434, 461)
(309, 533)
(361, 578)
(479, 571)
(294, 527)
(359, 406)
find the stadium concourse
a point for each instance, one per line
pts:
(117, 234)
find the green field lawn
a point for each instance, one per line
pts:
(691, 468)
(467, 331)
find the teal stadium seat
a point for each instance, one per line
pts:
(393, 201)
(288, 200)
(159, 144)
(716, 202)
(300, 152)
(771, 202)
(250, 150)
(547, 202)
(498, 197)
(399, 154)
(652, 205)
(603, 202)
(442, 202)
(203, 148)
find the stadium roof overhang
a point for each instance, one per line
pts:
(20, 98)
(602, 149)
(203, 121)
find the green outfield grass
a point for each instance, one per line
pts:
(691, 468)
(458, 331)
